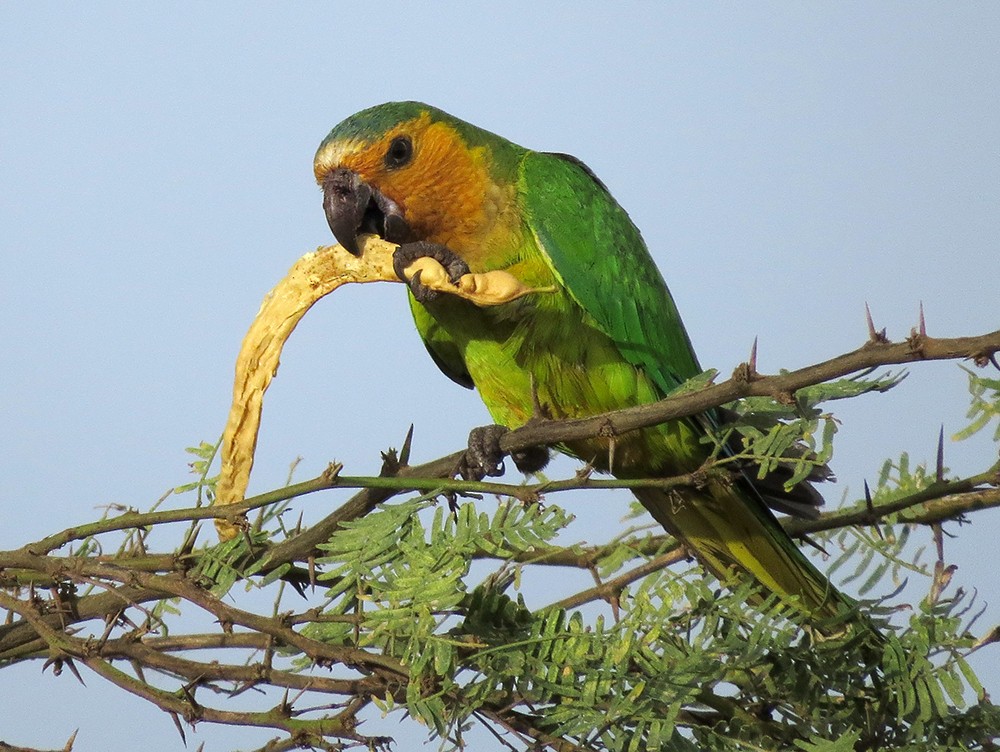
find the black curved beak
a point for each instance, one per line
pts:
(345, 198)
(352, 206)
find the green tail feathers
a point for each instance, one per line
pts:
(733, 535)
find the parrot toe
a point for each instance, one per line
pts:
(407, 253)
(483, 457)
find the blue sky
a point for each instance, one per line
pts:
(786, 163)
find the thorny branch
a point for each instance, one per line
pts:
(48, 617)
(746, 382)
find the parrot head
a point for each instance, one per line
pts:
(407, 171)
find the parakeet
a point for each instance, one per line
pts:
(608, 337)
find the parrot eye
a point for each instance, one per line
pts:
(399, 153)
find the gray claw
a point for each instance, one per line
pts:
(484, 457)
(407, 253)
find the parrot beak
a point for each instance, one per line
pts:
(352, 206)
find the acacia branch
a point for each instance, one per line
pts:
(437, 474)
(939, 502)
(280, 717)
(174, 585)
(132, 519)
(945, 500)
(942, 500)
(151, 655)
(746, 382)
(46, 626)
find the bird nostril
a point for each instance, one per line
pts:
(341, 182)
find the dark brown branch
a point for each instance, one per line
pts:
(152, 656)
(612, 588)
(173, 585)
(68, 747)
(940, 501)
(304, 545)
(543, 432)
(781, 387)
(21, 638)
(192, 712)
(943, 500)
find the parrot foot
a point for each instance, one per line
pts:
(484, 457)
(407, 253)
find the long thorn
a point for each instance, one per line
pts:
(923, 323)
(752, 363)
(873, 334)
(404, 453)
(76, 672)
(70, 741)
(189, 540)
(939, 475)
(871, 511)
(180, 729)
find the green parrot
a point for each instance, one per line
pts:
(609, 336)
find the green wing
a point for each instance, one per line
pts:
(603, 262)
(444, 351)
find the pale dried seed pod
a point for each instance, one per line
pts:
(312, 277)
